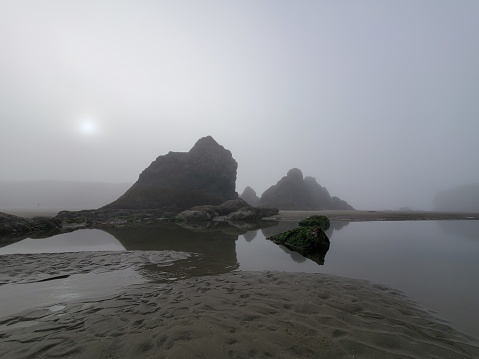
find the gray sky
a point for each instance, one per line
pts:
(378, 100)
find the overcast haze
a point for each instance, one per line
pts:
(378, 100)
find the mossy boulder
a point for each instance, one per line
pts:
(320, 221)
(308, 239)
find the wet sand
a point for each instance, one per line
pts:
(238, 315)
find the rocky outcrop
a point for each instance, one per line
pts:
(199, 213)
(249, 195)
(208, 212)
(235, 210)
(109, 218)
(206, 175)
(293, 192)
(10, 224)
(309, 239)
(14, 228)
(252, 214)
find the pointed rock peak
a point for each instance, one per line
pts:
(249, 190)
(295, 173)
(205, 143)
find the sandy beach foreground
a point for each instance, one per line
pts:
(236, 314)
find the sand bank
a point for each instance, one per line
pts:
(359, 216)
(238, 315)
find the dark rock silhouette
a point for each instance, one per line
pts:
(460, 199)
(249, 195)
(293, 192)
(180, 180)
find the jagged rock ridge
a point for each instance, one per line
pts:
(179, 180)
(293, 192)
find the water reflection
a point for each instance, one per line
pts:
(464, 229)
(249, 236)
(212, 244)
(85, 240)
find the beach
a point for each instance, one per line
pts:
(240, 314)
(374, 215)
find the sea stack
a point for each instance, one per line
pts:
(180, 180)
(293, 192)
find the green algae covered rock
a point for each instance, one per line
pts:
(320, 221)
(308, 239)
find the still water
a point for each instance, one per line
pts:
(435, 263)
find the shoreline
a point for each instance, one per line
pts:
(334, 215)
(363, 216)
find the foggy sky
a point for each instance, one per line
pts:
(378, 100)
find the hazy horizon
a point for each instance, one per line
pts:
(376, 100)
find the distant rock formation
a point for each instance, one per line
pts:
(460, 199)
(293, 192)
(249, 195)
(180, 180)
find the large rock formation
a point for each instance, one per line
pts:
(293, 192)
(249, 195)
(180, 180)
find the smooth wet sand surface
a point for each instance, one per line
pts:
(237, 315)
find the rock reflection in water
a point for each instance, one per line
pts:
(249, 236)
(212, 245)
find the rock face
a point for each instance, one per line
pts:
(293, 192)
(249, 195)
(180, 180)
(309, 239)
